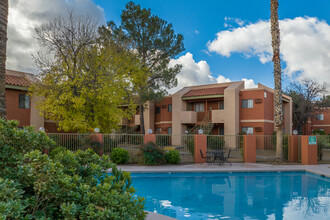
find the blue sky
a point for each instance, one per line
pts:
(200, 21)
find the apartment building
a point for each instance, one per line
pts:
(321, 121)
(20, 106)
(218, 109)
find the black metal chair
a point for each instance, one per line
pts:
(225, 159)
(208, 159)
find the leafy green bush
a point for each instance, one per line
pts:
(318, 132)
(119, 156)
(173, 157)
(68, 186)
(15, 142)
(56, 151)
(152, 154)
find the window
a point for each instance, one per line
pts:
(189, 107)
(199, 107)
(222, 104)
(247, 130)
(157, 110)
(247, 103)
(320, 117)
(169, 107)
(221, 130)
(169, 130)
(158, 130)
(24, 101)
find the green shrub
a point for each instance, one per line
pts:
(318, 132)
(152, 154)
(56, 151)
(68, 186)
(173, 157)
(119, 156)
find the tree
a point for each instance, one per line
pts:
(275, 32)
(306, 97)
(83, 84)
(3, 47)
(154, 42)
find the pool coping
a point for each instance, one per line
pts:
(321, 170)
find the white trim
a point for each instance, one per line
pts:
(258, 121)
(163, 122)
(320, 125)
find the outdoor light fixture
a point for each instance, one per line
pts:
(200, 131)
(295, 132)
(42, 129)
(186, 131)
(96, 130)
(149, 131)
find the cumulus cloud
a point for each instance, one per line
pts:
(305, 45)
(198, 73)
(25, 16)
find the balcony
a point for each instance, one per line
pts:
(188, 117)
(123, 121)
(218, 116)
(137, 119)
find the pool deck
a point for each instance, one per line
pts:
(321, 169)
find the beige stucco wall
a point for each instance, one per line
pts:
(36, 119)
(288, 118)
(149, 117)
(231, 99)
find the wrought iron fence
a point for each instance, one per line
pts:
(71, 141)
(323, 147)
(266, 147)
(234, 143)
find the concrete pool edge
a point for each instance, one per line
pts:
(322, 170)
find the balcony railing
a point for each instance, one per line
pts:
(188, 117)
(218, 116)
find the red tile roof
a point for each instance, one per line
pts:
(17, 81)
(205, 92)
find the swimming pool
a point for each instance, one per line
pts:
(270, 195)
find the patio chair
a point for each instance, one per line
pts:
(208, 159)
(225, 159)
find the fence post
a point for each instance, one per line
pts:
(200, 141)
(149, 138)
(309, 150)
(293, 148)
(250, 149)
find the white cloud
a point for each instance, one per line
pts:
(249, 83)
(25, 16)
(198, 73)
(305, 45)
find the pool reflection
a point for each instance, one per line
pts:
(290, 195)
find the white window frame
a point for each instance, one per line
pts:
(249, 103)
(320, 117)
(199, 107)
(247, 130)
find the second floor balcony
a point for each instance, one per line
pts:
(218, 116)
(188, 117)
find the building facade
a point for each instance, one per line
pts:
(321, 121)
(218, 109)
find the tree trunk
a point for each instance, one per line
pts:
(3, 45)
(142, 118)
(275, 32)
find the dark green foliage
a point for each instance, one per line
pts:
(15, 142)
(152, 154)
(56, 151)
(323, 142)
(68, 186)
(173, 157)
(215, 142)
(119, 156)
(318, 132)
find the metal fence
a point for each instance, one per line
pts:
(323, 147)
(234, 143)
(266, 147)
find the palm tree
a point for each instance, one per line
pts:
(275, 31)
(3, 43)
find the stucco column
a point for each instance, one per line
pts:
(293, 148)
(250, 149)
(149, 138)
(308, 151)
(200, 145)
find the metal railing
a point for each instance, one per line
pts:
(227, 142)
(71, 141)
(266, 147)
(130, 142)
(323, 147)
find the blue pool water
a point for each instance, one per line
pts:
(286, 195)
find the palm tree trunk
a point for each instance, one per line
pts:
(275, 31)
(142, 119)
(3, 44)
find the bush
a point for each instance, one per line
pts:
(152, 154)
(68, 186)
(318, 132)
(119, 156)
(56, 151)
(173, 157)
